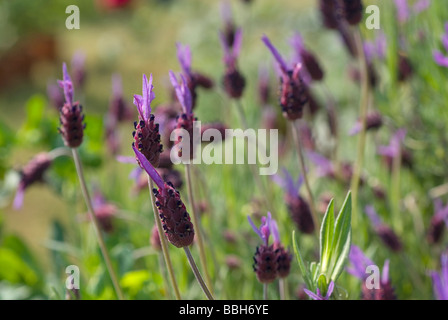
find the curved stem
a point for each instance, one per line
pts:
(196, 223)
(365, 91)
(197, 274)
(163, 242)
(94, 219)
(298, 142)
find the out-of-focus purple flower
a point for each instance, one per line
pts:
(437, 224)
(182, 92)
(118, 108)
(402, 10)
(79, 69)
(395, 149)
(31, 173)
(374, 121)
(311, 65)
(104, 211)
(293, 94)
(233, 81)
(287, 182)
(421, 5)
(439, 57)
(229, 25)
(358, 267)
(264, 88)
(376, 49)
(318, 296)
(55, 95)
(440, 280)
(387, 235)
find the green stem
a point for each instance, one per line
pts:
(267, 198)
(163, 272)
(396, 171)
(282, 288)
(363, 108)
(298, 142)
(196, 223)
(163, 241)
(94, 219)
(197, 274)
(265, 291)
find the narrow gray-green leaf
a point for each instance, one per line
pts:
(326, 236)
(303, 270)
(340, 262)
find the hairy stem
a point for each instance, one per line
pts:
(197, 274)
(163, 241)
(95, 223)
(196, 223)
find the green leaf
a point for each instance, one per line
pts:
(326, 237)
(342, 238)
(303, 270)
(322, 284)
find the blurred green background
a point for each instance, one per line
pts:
(42, 238)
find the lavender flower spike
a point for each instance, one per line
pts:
(287, 182)
(182, 92)
(387, 235)
(440, 280)
(439, 57)
(318, 296)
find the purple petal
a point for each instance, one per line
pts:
(67, 85)
(18, 199)
(274, 230)
(150, 170)
(445, 41)
(257, 231)
(312, 295)
(385, 274)
(329, 290)
(402, 10)
(184, 57)
(359, 262)
(289, 183)
(387, 151)
(224, 46)
(324, 166)
(138, 102)
(226, 11)
(440, 59)
(276, 54)
(421, 5)
(438, 286)
(188, 107)
(373, 216)
(237, 42)
(355, 129)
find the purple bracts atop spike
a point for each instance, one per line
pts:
(359, 262)
(182, 92)
(287, 182)
(264, 231)
(184, 57)
(67, 85)
(318, 296)
(276, 54)
(150, 170)
(143, 103)
(373, 216)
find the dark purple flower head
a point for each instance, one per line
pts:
(232, 80)
(374, 121)
(318, 296)
(440, 280)
(387, 235)
(146, 134)
(265, 228)
(71, 116)
(353, 10)
(173, 214)
(30, 174)
(293, 93)
(439, 57)
(104, 211)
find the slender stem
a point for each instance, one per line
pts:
(163, 242)
(282, 289)
(365, 91)
(396, 170)
(254, 167)
(163, 272)
(196, 223)
(94, 219)
(197, 274)
(298, 142)
(265, 291)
